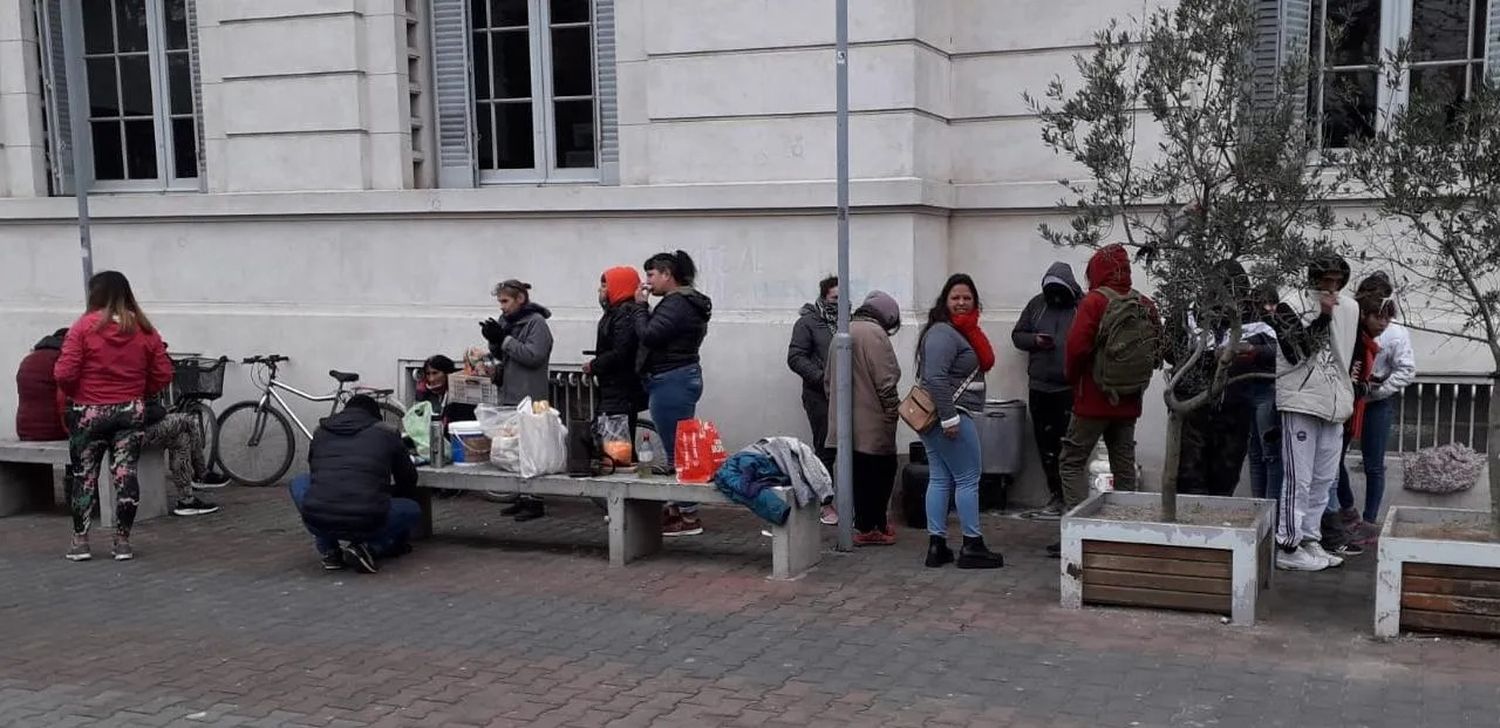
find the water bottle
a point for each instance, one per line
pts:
(1101, 477)
(644, 458)
(435, 443)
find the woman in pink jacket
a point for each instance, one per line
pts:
(112, 360)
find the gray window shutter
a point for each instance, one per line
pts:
(197, 81)
(1283, 30)
(55, 85)
(607, 90)
(452, 86)
(1492, 46)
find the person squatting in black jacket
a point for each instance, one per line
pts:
(358, 501)
(671, 336)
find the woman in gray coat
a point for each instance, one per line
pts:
(522, 342)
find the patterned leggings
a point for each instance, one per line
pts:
(179, 434)
(96, 430)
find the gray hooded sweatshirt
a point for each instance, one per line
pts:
(1049, 312)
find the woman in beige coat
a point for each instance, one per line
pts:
(875, 384)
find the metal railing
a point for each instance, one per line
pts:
(1443, 408)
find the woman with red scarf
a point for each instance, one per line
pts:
(953, 356)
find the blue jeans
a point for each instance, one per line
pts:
(673, 397)
(399, 520)
(1265, 443)
(953, 470)
(1374, 438)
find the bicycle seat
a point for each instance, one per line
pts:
(343, 377)
(374, 392)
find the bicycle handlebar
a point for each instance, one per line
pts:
(271, 359)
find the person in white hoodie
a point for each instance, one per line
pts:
(1316, 329)
(1395, 368)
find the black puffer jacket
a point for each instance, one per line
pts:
(807, 354)
(673, 332)
(354, 463)
(615, 350)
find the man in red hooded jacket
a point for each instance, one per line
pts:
(1096, 414)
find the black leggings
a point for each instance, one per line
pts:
(874, 477)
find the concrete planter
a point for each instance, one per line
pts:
(1114, 553)
(1437, 572)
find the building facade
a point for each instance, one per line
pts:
(343, 181)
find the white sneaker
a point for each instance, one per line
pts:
(1299, 560)
(1316, 549)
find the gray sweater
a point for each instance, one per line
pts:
(944, 361)
(524, 357)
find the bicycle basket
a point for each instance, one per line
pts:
(198, 378)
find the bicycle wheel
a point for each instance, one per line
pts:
(208, 425)
(255, 445)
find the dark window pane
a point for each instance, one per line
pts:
(482, 67)
(1353, 32)
(572, 62)
(1481, 11)
(98, 27)
(130, 24)
(104, 99)
(185, 148)
(575, 134)
(109, 153)
(506, 13)
(1440, 30)
(477, 16)
(513, 122)
(512, 64)
(570, 11)
(135, 85)
(140, 149)
(484, 121)
(1444, 86)
(1349, 105)
(180, 78)
(177, 28)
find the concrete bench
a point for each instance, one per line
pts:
(635, 510)
(29, 472)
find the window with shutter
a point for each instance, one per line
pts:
(134, 64)
(539, 91)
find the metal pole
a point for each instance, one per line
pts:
(78, 120)
(843, 369)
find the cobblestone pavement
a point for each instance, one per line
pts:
(228, 620)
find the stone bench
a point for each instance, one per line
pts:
(635, 506)
(30, 470)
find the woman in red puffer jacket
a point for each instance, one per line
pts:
(112, 360)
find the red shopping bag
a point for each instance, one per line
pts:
(699, 451)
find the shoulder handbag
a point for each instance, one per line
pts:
(917, 409)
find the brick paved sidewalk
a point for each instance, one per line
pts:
(228, 620)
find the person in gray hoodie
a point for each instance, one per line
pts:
(522, 343)
(1041, 332)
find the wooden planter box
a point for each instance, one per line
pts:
(1438, 572)
(1216, 558)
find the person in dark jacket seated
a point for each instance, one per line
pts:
(358, 500)
(39, 403)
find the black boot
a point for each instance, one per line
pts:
(938, 552)
(514, 508)
(974, 555)
(531, 509)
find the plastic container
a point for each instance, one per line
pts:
(1002, 437)
(470, 445)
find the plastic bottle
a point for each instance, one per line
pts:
(1100, 476)
(645, 457)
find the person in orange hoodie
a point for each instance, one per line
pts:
(1097, 413)
(616, 346)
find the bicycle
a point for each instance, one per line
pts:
(196, 381)
(260, 436)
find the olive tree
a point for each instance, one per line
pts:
(1433, 169)
(1191, 153)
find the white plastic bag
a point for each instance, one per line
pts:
(503, 428)
(544, 441)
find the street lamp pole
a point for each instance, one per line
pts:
(843, 370)
(78, 121)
